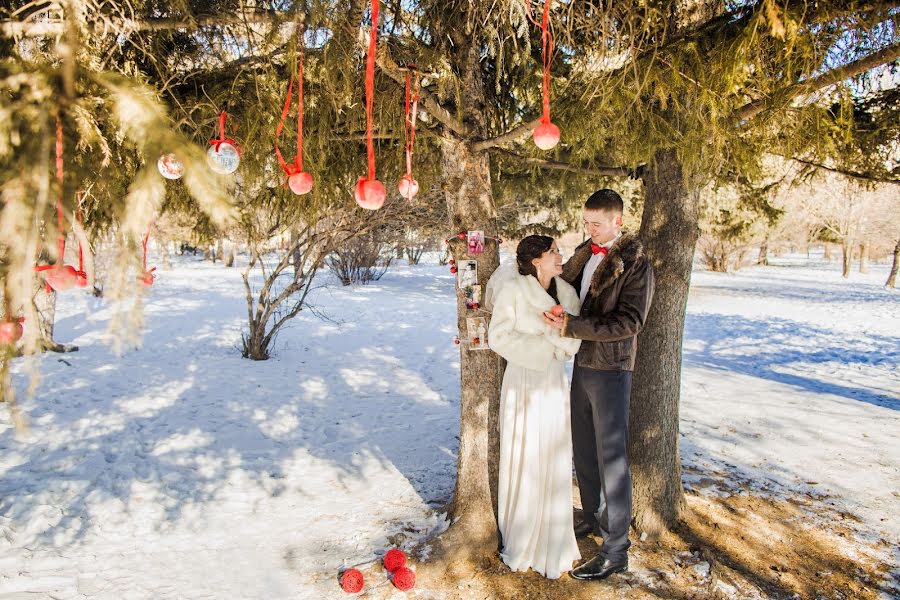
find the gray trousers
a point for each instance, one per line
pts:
(600, 402)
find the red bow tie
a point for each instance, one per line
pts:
(595, 249)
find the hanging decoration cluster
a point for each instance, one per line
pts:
(546, 135)
(224, 155)
(370, 192)
(298, 180)
(408, 186)
(62, 277)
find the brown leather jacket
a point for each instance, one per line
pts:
(616, 306)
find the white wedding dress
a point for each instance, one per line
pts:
(535, 481)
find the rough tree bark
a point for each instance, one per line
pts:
(863, 258)
(669, 231)
(763, 258)
(466, 183)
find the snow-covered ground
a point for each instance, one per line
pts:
(181, 470)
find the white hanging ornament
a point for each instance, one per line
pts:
(223, 158)
(169, 166)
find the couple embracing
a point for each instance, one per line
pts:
(605, 290)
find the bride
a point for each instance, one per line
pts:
(535, 483)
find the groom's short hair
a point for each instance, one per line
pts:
(605, 199)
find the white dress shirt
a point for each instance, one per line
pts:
(591, 267)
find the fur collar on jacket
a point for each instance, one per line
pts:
(627, 249)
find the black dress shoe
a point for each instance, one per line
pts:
(584, 528)
(598, 568)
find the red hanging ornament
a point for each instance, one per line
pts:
(11, 331)
(546, 135)
(408, 186)
(146, 278)
(61, 277)
(224, 154)
(298, 180)
(404, 578)
(370, 192)
(352, 581)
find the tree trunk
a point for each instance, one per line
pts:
(163, 246)
(846, 258)
(892, 278)
(669, 231)
(297, 256)
(826, 253)
(45, 307)
(229, 255)
(763, 258)
(466, 183)
(863, 258)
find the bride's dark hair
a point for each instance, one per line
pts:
(532, 247)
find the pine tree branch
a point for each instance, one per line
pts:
(432, 103)
(562, 166)
(838, 170)
(512, 135)
(823, 80)
(54, 27)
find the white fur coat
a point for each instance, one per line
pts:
(518, 332)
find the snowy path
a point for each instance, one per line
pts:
(182, 471)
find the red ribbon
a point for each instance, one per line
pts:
(409, 125)
(61, 238)
(547, 47)
(370, 88)
(146, 277)
(222, 139)
(296, 166)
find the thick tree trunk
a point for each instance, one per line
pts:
(669, 231)
(467, 186)
(466, 183)
(826, 252)
(863, 258)
(892, 278)
(846, 257)
(763, 258)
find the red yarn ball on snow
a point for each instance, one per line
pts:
(404, 579)
(352, 581)
(546, 135)
(370, 194)
(300, 183)
(394, 559)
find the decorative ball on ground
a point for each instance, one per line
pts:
(453, 269)
(394, 559)
(223, 158)
(456, 341)
(300, 183)
(352, 581)
(408, 186)
(557, 311)
(546, 135)
(452, 262)
(369, 193)
(462, 235)
(404, 579)
(170, 167)
(11, 331)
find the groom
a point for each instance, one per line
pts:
(615, 282)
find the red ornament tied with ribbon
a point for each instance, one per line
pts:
(61, 277)
(147, 277)
(224, 154)
(394, 559)
(404, 578)
(352, 581)
(370, 192)
(298, 180)
(11, 331)
(546, 135)
(408, 186)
